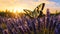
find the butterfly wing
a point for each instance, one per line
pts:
(28, 12)
(39, 7)
(37, 10)
(41, 13)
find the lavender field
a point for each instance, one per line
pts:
(47, 24)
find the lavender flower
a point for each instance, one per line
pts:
(38, 24)
(48, 18)
(33, 24)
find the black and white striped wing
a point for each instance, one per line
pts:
(28, 12)
(37, 10)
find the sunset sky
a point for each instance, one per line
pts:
(53, 5)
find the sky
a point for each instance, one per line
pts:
(53, 5)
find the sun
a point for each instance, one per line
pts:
(17, 10)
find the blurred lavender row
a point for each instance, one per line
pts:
(26, 25)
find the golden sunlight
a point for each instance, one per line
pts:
(17, 10)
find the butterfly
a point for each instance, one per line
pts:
(36, 12)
